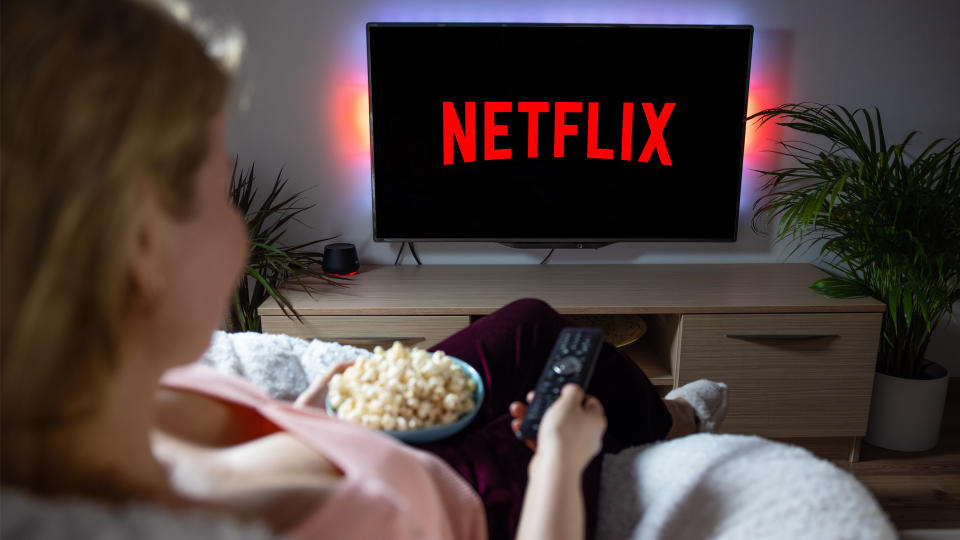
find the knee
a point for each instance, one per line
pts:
(532, 308)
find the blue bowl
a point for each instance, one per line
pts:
(437, 433)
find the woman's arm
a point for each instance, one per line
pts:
(553, 503)
(569, 436)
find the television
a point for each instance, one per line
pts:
(557, 135)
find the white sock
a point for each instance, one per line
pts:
(709, 400)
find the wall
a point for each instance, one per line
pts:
(302, 99)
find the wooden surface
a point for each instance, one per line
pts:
(588, 289)
(920, 491)
(645, 354)
(783, 384)
(368, 331)
(656, 351)
(917, 490)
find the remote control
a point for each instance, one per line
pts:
(571, 361)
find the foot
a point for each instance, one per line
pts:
(708, 399)
(683, 416)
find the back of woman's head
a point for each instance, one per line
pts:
(99, 98)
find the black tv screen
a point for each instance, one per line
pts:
(557, 133)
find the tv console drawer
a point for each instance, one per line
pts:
(368, 331)
(789, 375)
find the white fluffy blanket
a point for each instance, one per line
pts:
(701, 486)
(282, 366)
(732, 487)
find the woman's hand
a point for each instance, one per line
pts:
(316, 394)
(571, 429)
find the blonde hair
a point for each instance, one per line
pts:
(98, 98)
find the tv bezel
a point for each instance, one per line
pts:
(550, 242)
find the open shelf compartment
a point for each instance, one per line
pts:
(655, 352)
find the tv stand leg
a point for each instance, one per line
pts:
(416, 257)
(414, 252)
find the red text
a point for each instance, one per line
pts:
(464, 133)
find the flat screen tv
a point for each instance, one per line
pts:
(556, 134)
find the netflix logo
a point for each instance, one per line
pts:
(463, 131)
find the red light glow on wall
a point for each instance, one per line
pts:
(758, 142)
(350, 129)
(755, 139)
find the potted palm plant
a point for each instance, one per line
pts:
(271, 263)
(887, 226)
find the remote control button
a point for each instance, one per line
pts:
(568, 365)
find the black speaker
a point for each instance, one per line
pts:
(340, 259)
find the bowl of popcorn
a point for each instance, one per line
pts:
(411, 394)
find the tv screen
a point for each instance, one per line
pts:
(557, 133)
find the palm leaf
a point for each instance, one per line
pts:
(272, 265)
(886, 225)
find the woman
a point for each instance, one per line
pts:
(120, 251)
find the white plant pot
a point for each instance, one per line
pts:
(905, 414)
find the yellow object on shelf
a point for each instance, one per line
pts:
(620, 330)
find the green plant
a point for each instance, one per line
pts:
(887, 226)
(271, 264)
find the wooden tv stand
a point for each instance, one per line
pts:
(798, 365)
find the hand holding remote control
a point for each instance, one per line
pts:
(572, 360)
(571, 430)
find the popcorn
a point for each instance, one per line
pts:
(402, 389)
(451, 402)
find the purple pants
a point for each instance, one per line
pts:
(509, 348)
